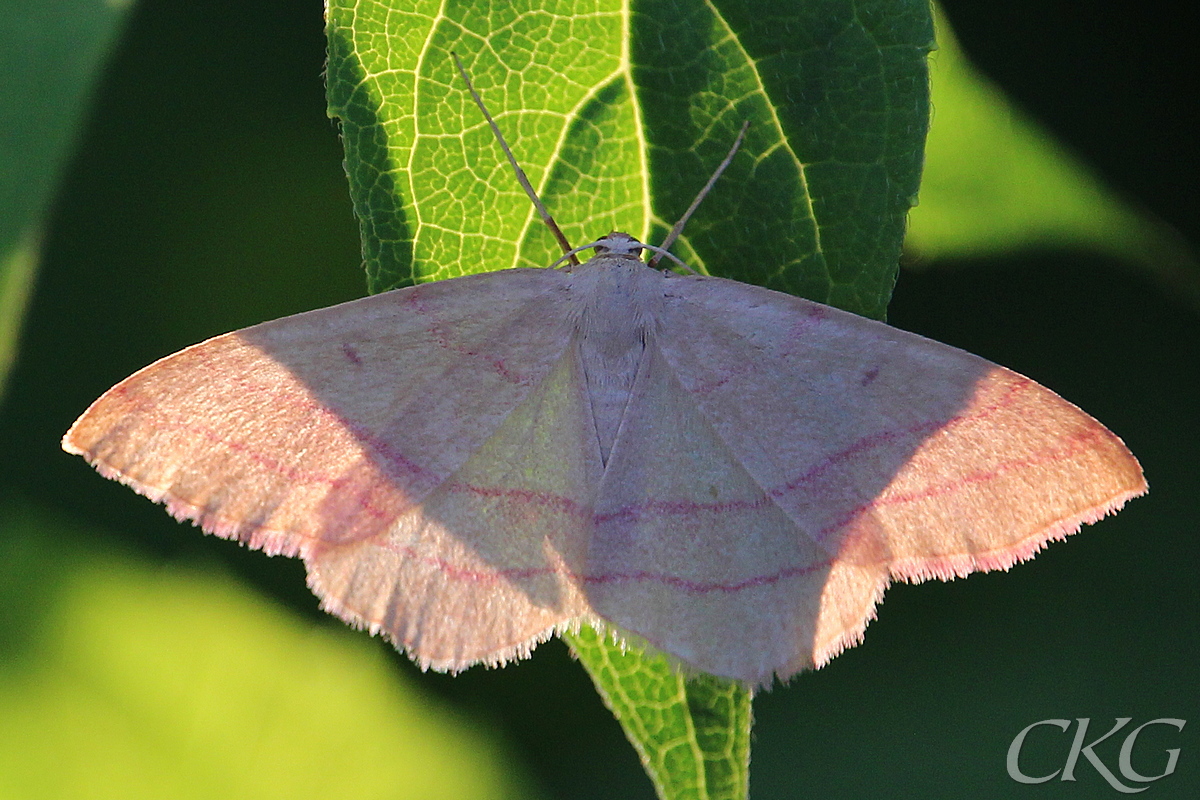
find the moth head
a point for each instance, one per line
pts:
(619, 243)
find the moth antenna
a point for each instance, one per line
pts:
(521, 177)
(678, 229)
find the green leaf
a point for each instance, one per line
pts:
(122, 678)
(996, 182)
(619, 112)
(51, 55)
(692, 732)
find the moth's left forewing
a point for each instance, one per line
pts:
(899, 456)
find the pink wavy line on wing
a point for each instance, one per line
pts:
(924, 428)
(654, 508)
(303, 476)
(291, 473)
(568, 506)
(1074, 443)
(558, 502)
(489, 576)
(269, 394)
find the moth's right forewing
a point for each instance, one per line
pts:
(323, 426)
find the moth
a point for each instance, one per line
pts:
(726, 473)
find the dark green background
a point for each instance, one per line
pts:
(208, 195)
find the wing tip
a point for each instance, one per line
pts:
(949, 567)
(70, 440)
(256, 537)
(849, 636)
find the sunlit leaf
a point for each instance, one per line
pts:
(692, 732)
(619, 116)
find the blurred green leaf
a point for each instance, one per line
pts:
(996, 182)
(18, 266)
(618, 114)
(51, 55)
(122, 679)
